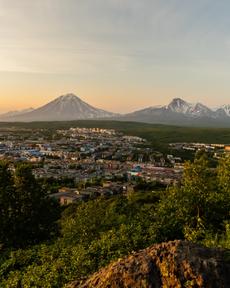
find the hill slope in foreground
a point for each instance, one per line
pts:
(172, 264)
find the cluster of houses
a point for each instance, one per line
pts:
(218, 149)
(68, 196)
(86, 154)
(163, 175)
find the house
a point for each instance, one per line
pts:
(67, 196)
(227, 148)
(68, 190)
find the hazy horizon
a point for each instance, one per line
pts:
(117, 55)
(119, 112)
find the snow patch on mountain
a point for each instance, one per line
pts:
(179, 106)
(224, 110)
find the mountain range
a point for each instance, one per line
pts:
(177, 112)
(180, 112)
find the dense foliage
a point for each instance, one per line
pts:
(27, 215)
(94, 233)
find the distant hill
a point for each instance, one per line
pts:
(172, 264)
(63, 108)
(159, 135)
(180, 112)
(16, 113)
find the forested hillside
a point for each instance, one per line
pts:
(155, 133)
(42, 248)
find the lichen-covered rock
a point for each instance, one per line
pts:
(173, 264)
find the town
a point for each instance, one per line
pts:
(80, 163)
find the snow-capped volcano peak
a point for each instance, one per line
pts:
(223, 111)
(179, 105)
(226, 109)
(65, 107)
(194, 110)
(201, 110)
(68, 97)
(180, 112)
(68, 102)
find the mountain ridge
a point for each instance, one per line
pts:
(70, 107)
(180, 112)
(63, 108)
(16, 112)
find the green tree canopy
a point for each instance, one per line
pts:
(27, 215)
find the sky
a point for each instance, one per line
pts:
(119, 55)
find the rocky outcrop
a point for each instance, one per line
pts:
(172, 264)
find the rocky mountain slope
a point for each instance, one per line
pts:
(177, 112)
(180, 112)
(167, 265)
(64, 108)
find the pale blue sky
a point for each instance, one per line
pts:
(120, 55)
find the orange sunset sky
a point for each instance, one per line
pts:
(117, 55)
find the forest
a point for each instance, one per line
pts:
(44, 245)
(157, 134)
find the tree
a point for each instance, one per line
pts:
(198, 182)
(6, 200)
(27, 215)
(223, 174)
(196, 207)
(34, 213)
